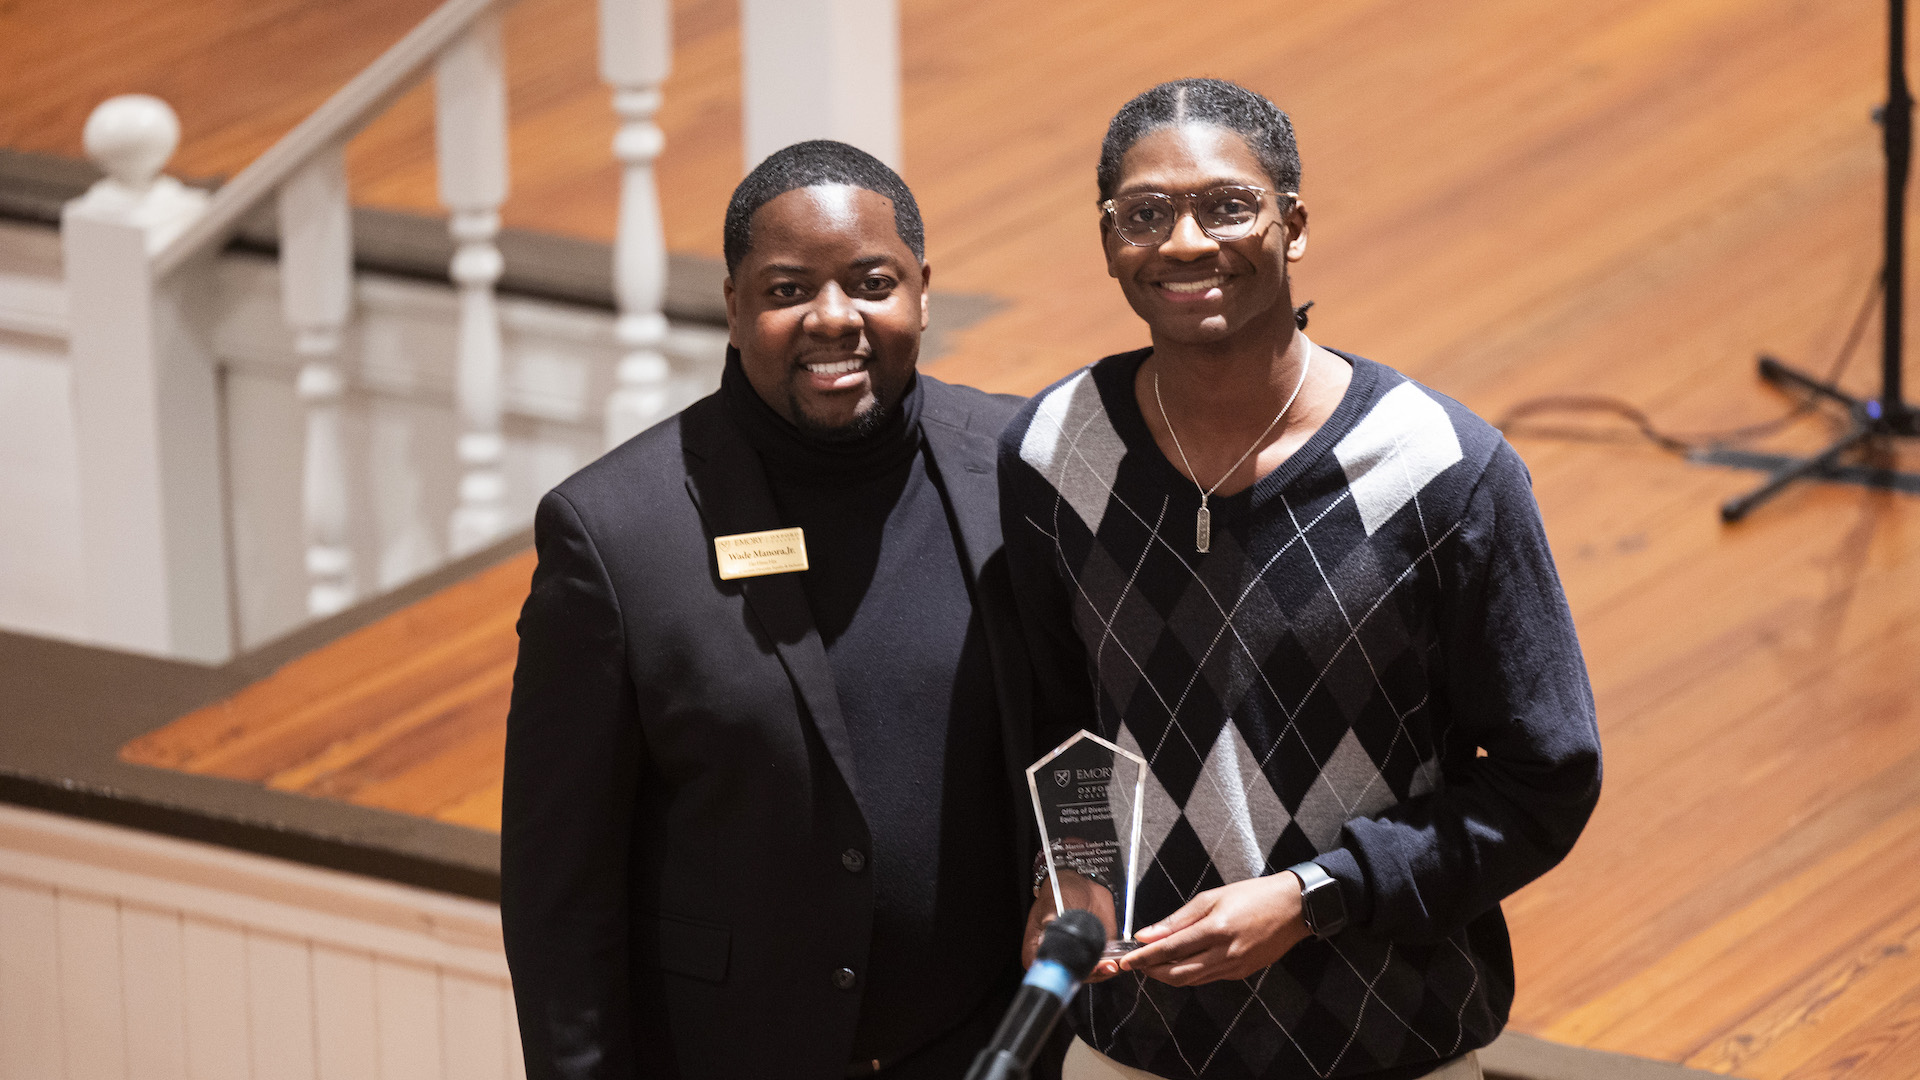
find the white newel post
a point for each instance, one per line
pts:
(820, 69)
(471, 92)
(316, 288)
(145, 399)
(636, 52)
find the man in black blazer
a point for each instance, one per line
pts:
(773, 824)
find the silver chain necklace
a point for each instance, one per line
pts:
(1203, 521)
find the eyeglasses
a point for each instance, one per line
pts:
(1228, 212)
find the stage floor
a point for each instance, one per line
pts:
(1509, 199)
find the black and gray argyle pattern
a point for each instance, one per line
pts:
(1281, 686)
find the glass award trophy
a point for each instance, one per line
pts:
(1087, 794)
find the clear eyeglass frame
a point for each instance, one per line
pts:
(1189, 202)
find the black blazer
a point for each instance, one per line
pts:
(679, 785)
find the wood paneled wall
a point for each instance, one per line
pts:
(125, 956)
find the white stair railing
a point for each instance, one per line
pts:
(635, 56)
(459, 44)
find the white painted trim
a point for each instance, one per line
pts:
(326, 907)
(369, 93)
(33, 305)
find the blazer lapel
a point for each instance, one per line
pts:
(965, 461)
(729, 487)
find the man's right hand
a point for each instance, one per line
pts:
(1078, 892)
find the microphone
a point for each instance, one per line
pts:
(1069, 947)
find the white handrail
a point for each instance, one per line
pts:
(351, 107)
(459, 45)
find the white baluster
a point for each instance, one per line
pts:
(636, 52)
(316, 288)
(471, 92)
(820, 69)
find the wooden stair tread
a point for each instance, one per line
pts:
(406, 714)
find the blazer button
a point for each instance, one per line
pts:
(843, 979)
(854, 860)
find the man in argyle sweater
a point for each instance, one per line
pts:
(1365, 672)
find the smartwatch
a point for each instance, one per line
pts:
(1321, 905)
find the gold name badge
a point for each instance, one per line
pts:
(776, 551)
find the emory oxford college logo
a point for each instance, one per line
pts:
(1063, 777)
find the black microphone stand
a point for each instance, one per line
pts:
(1874, 422)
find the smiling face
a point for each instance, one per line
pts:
(1193, 289)
(826, 308)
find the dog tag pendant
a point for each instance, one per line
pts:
(1203, 528)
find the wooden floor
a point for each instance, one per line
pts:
(1509, 198)
(407, 714)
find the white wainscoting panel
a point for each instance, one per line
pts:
(471, 1014)
(410, 1019)
(154, 974)
(130, 956)
(93, 1023)
(345, 1014)
(280, 1007)
(29, 980)
(42, 572)
(216, 1000)
(42, 582)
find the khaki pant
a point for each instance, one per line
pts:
(1085, 1063)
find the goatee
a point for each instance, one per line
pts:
(863, 424)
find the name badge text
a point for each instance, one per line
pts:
(776, 551)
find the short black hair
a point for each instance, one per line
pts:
(1268, 132)
(810, 164)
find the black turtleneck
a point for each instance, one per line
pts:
(890, 598)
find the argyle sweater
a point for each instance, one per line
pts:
(1373, 667)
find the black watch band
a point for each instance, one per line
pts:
(1322, 905)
